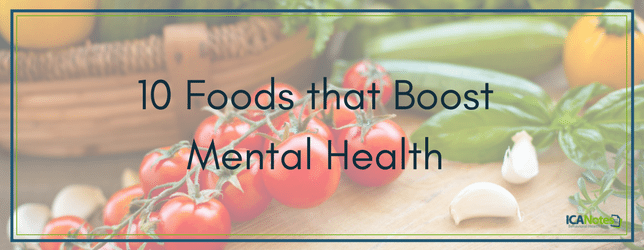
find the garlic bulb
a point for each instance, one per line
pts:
(29, 218)
(483, 199)
(520, 164)
(78, 200)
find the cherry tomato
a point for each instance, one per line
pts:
(264, 100)
(111, 246)
(170, 169)
(108, 245)
(315, 126)
(182, 215)
(342, 116)
(245, 204)
(302, 188)
(361, 76)
(226, 133)
(384, 135)
(119, 204)
(64, 225)
(136, 233)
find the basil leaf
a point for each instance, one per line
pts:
(611, 115)
(483, 135)
(574, 100)
(584, 146)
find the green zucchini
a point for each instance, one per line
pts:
(440, 77)
(520, 46)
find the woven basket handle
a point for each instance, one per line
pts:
(140, 55)
(186, 59)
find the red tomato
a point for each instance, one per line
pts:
(136, 233)
(64, 225)
(181, 215)
(119, 204)
(264, 99)
(225, 134)
(302, 188)
(167, 170)
(342, 116)
(315, 126)
(108, 245)
(385, 135)
(111, 246)
(241, 205)
(361, 76)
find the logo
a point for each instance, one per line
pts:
(584, 221)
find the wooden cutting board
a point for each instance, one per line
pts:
(416, 205)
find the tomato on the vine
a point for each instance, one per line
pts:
(304, 187)
(263, 99)
(244, 204)
(384, 135)
(75, 226)
(361, 76)
(227, 132)
(119, 204)
(315, 126)
(338, 116)
(184, 218)
(165, 165)
(136, 232)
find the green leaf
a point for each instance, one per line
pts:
(607, 180)
(589, 176)
(640, 179)
(612, 113)
(575, 99)
(584, 146)
(572, 200)
(582, 187)
(483, 135)
(321, 26)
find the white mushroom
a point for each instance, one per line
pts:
(483, 199)
(29, 218)
(78, 200)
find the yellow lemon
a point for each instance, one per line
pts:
(47, 30)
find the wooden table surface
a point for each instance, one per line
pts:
(416, 203)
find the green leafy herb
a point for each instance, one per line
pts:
(321, 25)
(584, 146)
(574, 100)
(483, 135)
(610, 114)
(588, 200)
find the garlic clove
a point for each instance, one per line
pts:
(78, 200)
(29, 218)
(483, 199)
(129, 178)
(520, 164)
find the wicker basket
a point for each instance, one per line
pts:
(86, 100)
